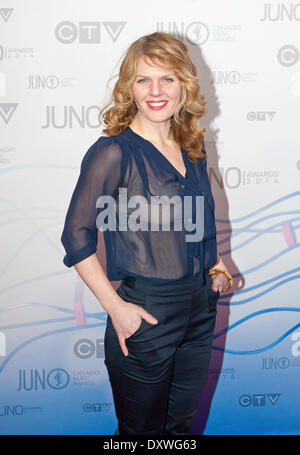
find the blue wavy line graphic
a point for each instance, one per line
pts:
(43, 305)
(257, 295)
(255, 351)
(259, 350)
(265, 207)
(258, 232)
(270, 229)
(24, 243)
(266, 262)
(44, 335)
(254, 315)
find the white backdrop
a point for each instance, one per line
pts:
(55, 62)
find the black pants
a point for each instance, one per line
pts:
(157, 387)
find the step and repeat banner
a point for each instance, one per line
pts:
(58, 65)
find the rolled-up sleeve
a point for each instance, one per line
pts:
(101, 173)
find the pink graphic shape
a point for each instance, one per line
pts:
(289, 234)
(78, 302)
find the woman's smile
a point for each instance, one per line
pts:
(156, 105)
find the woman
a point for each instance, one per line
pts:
(161, 319)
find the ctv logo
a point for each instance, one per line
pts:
(259, 399)
(67, 32)
(5, 13)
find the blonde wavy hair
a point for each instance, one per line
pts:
(165, 50)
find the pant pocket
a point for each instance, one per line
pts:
(138, 330)
(147, 330)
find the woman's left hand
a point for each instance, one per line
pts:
(219, 283)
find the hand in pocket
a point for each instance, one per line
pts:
(127, 318)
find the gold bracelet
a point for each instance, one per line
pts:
(227, 276)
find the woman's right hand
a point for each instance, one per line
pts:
(126, 318)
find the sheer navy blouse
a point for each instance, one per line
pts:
(127, 160)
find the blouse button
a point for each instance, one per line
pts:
(182, 186)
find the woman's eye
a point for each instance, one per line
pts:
(166, 79)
